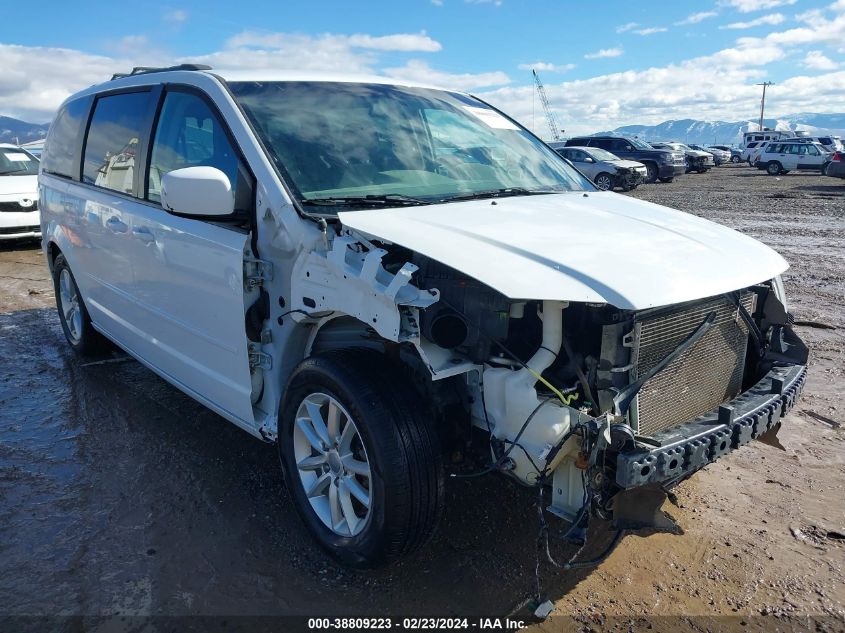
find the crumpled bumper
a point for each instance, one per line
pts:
(687, 448)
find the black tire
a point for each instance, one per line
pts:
(774, 168)
(651, 173)
(604, 181)
(406, 482)
(80, 335)
(667, 180)
(735, 159)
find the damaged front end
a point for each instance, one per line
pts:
(615, 407)
(629, 177)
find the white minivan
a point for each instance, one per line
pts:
(369, 273)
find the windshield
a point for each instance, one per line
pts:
(640, 144)
(601, 154)
(350, 144)
(17, 162)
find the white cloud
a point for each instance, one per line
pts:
(819, 61)
(748, 6)
(695, 18)
(605, 52)
(626, 27)
(547, 67)
(718, 87)
(437, 3)
(418, 71)
(651, 30)
(404, 42)
(496, 3)
(175, 16)
(772, 19)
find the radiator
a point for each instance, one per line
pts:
(702, 377)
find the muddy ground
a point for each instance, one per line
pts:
(119, 495)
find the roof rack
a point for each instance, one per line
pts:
(143, 70)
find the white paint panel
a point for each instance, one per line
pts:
(596, 247)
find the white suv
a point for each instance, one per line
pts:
(369, 273)
(781, 157)
(18, 194)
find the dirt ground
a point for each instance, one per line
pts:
(120, 496)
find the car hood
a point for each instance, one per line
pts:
(594, 247)
(26, 185)
(698, 153)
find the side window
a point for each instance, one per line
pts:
(112, 142)
(62, 147)
(775, 148)
(189, 134)
(812, 150)
(603, 143)
(620, 145)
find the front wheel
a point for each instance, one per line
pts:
(361, 461)
(604, 182)
(735, 159)
(666, 180)
(650, 173)
(73, 315)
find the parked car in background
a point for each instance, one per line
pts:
(830, 143)
(720, 157)
(660, 164)
(745, 155)
(34, 147)
(835, 168)
(754, 155)
(363, 272)
(695, 160)
(781, 157)
(19, 217)
(606, 170)
(734, 152)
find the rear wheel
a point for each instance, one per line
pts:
(604, 182)
(361, 461)
(774, 168)
(73, 315)
(735, 159)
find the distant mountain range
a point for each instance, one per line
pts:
(17, 131)
(721, 132)
(685, 130)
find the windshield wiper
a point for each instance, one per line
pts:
(388, 199)
(497, 193)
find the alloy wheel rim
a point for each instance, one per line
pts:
(332, 464)
(69, 304)
(603, 183)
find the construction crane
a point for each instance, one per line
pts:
(550, 116)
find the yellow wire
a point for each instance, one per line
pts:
(564, 399)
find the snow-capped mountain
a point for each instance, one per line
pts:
(17, 131)
(728, 133)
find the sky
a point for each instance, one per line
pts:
(604, 63)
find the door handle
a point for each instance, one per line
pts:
(116, 225)
(144, 234)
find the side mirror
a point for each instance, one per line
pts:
(628, 148)
(200, 191)
(589, 160)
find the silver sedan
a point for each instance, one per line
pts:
(606, 170)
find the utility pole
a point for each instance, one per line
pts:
(765, 85)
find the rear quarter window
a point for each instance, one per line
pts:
(64, 140)
(111, 147)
